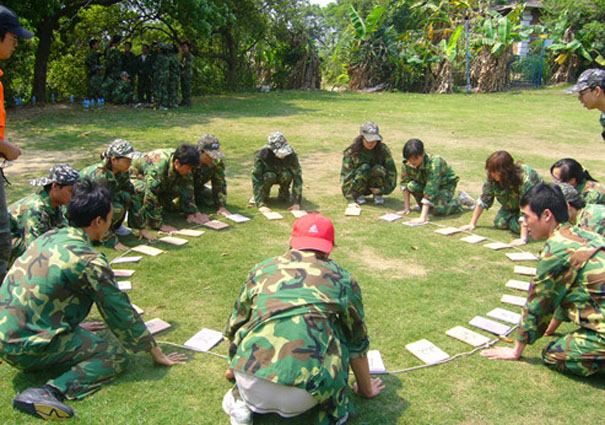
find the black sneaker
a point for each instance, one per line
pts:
(43, 402)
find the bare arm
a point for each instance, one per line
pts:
(365, 385)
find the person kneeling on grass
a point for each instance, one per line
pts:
(507, 181)
(569, 285)
(587, 216)
(297, 326)
(47, 294)
(431, 181)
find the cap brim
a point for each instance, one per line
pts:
(132, 154)
(22, 32)
(283, 152)
(575, 89)
(372, 137)
(316, 244)
(216, 154)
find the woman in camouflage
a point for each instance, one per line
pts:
(570, 171)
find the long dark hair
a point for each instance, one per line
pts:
(502, 162)
(570, 168)
(357, 145)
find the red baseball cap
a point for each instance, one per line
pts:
(313, 231)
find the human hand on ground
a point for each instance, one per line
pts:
(376, 387)
(147, 235)
(223, 211)
(295, 207)
(167, 360)
(501, 353)
(167, 228)
(197, 218)
(120, 247)
(468, 227)
(264, 209)
(518, 242)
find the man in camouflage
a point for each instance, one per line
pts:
(431, 181)
(295, 329)
(186, 74)
(569, 284)
(123, 93)
(367, 167)
(161, 69)
(113, 59)
(42, 211)
(591, 92)
(277, 164)
(211, 169)
(45, 298)
(95, 84)
(92, 63)
(586, 216)
(162, 179)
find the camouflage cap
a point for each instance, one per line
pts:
(209, 144)
(369, 131)
(279, 145)
(120, 148)
(62, 174)
(570, 193)
(589, 78)
(124, 74)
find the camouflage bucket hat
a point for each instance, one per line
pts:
(120, 148)
(369, 131)
(62, 174)
(209, 144)
(587, 79)
(570, 193)
(279, 145)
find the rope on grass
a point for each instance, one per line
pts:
(187, 348)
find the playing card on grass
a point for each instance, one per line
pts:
(174, 241)
(124, 285)
(390, 217)
(238, 218)
(298, 213)
(123, 273)
(448, 231)
(157, 325)
(376, 363)
(189, 232)
(467, 336)
(122, 260)
(518, 284)
(497, 245)
(526, 271)
(505, 316)
(426, 351)
(521, 256)
(489, 325)
(272, 215)
(511, 299)
(148, 250)
(204, 340)
(473, 239)
(216, 225)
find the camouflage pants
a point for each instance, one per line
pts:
(581, 352)
(161, 91)
(204, 196)
(283, 179)
(508, 220)
(92, 361)
(173, 91)
(130, 204)
(364, 177)
(5, 235)
(443, 204)
(186, 89)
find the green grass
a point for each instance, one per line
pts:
(416, 284)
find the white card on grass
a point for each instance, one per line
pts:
(122, 260)
(298, 213)
(526, 271)
(511, 299)
(497, 245)
(426, 351)
(138, 309)
(521, 256)
(390, 217)
(448, 231)
(238, 218)
(272, 215)
(489, 325)
(157, 325)
(473, 239)
(123, 273)
(413, 224)
(216, 225)
(505, 316)
(204, 340)
(518, 284)
(148, 250)
(376, 363)
(174, 241)
(467, 336)
(353, 211)
(124, 285)
(189, 232)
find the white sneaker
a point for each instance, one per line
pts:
(466, 199)
(237, 410)
(378, 200)
(361, 200)
(123, 230)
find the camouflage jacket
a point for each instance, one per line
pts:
(215, 174)
(297, 322)
(433, 174)
(174, 66)
(122, 93)
(570, 279)
(50, 290)
(592, 192)
(509, 197)
(161, 69)
(592, 217)
(161, 184)
(380, 155)
(187, 65)
(96, 86)
(113, 63)
(31, 217)
(262, 166)
(93, 59)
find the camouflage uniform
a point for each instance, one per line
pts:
(298, 322)
(590, 78)
(508, 216)
(122, 93)
(95, 86)
(213, 173)
(160, 80)
(592, 217)
(92, 63)
(270, 171)
(158, 185)
(174, 76)
(113, 63)
(369, 168)
(107, 88)
(592, 192)
(186, 77)
(433, 182)
(570, 283)
(41, 308)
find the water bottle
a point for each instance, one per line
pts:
(101, 103)
(71, 98)
(33, 100)
(85, 104)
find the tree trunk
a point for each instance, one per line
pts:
(231, 47)
(44, 32)
(490, 72)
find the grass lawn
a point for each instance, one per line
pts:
(416, 284)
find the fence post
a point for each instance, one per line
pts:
(468, 77)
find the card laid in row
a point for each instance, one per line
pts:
(237, 218)
(414, 223)
(521, 256)
(216, 225)
(174, 241)
(122, 273)
(467, 336)
(496, 328)
(497, 245)
(123, 260)
(272, 215)
(505, 316)
(156, 325)
(376, 363)
(518, 284)
(390, 217)
(189, 232)
(473, 239)
(124, 285)
(526, 271)
(448, 231)
(511, 299)
(353, 210)
(148, 250)
(426, 351)
(204, 340)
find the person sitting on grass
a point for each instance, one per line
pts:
(48, 293)
(507, 182)
(276, 164)
(587, 216)
(568, 170)
(367, 167)
(113, 172)
(295, 329)
(591, 92)
(431, 181)
(569, 284)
